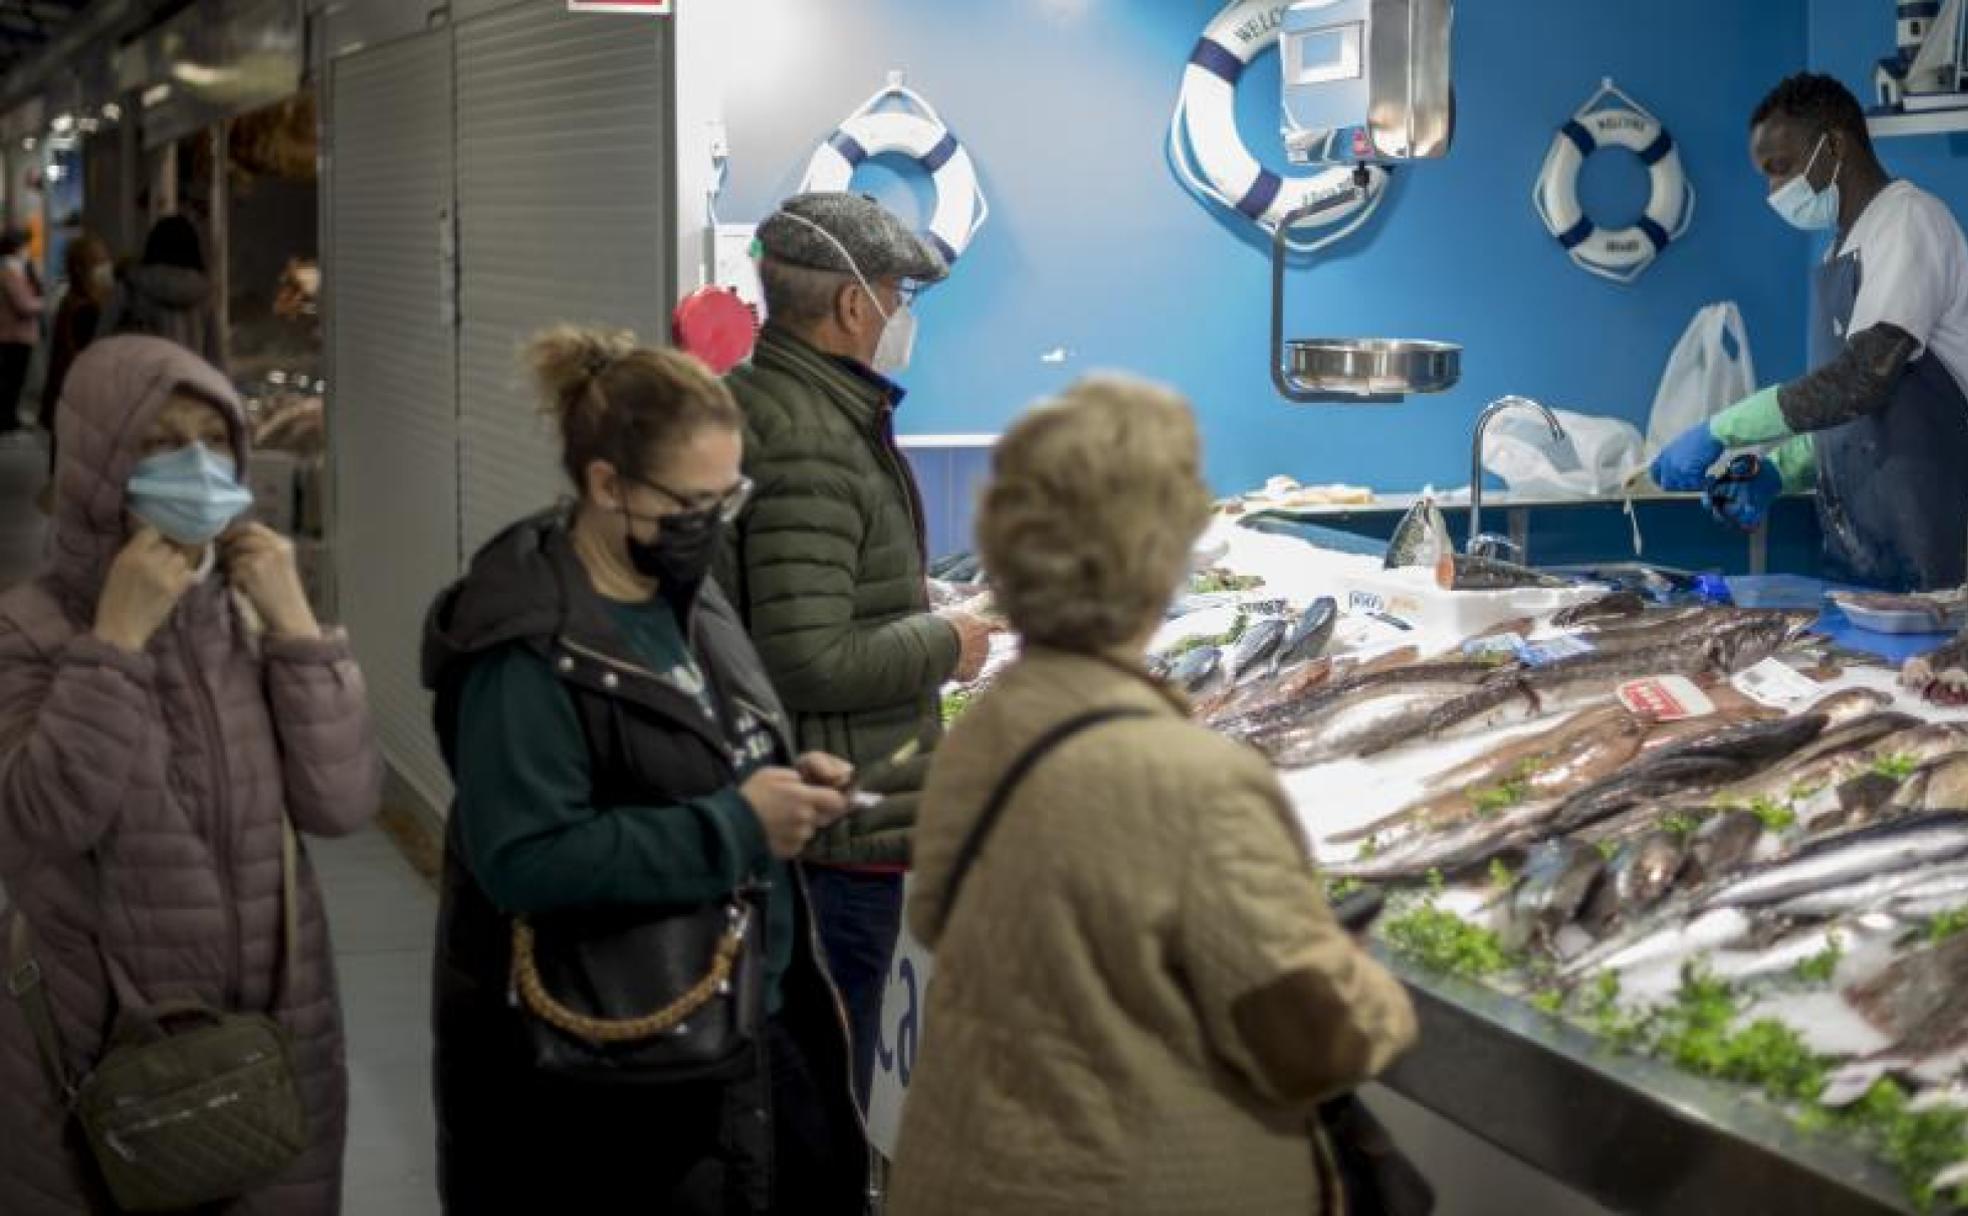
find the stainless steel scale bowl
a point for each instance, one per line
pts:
(1371, 366)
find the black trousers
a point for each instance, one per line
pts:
(14, 358)
(510, 1143)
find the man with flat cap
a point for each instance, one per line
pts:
(828, 561)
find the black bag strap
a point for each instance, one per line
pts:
(27, 984)
(24, 984)
(980, 831)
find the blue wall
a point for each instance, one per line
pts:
(1847, 39)
(1094, 247)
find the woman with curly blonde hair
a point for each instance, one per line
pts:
(1141, 993)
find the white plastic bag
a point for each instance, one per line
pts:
(1709, 371)
(1594, 458)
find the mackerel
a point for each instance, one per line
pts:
(1831, 862)
(1869, 891)
(1665, 935)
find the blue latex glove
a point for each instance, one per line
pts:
(1746, 503)
(1684, 463)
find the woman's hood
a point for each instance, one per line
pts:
(111, 396)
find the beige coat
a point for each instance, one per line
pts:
(1142, 992)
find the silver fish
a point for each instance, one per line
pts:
(1938, 785)
(1528, 754)
(1837, 754)
(1722, 845)
(1591, 678)
(1703, 763)
(1920, 1001)
(1371, 681)
(1472, 841)
(1464, 572)
(1259, 642)
(1420, 539)
(1930, 897)
(1897, 845)
(1615, 606)
(1666, 935)
(1310, 634)
(1339, 731)
(1556, 879)
(1850, 704)
(1870, 891)
(1193, 672)
(1587, 749)
(1650, 618)
(1639, 875)
(1781, 958)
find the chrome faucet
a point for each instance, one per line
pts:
(1479, 544)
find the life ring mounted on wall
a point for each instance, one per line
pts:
(918, 133)
(1210, 158)
(1619, 254)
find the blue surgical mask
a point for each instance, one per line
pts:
(190, 495)
(1803, 207)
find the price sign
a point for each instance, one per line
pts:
(1666, 698)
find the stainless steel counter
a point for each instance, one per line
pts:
(1634, 1134)
(1516, 509)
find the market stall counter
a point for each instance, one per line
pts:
(1634, 1133)
(1676, 867)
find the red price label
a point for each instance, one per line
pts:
(1666, 698)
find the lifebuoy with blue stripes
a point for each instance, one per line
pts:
(1619, 254)
(919, 134)
(1209, 156)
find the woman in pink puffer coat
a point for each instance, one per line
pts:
(164, 703)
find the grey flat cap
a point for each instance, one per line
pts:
(881, 244)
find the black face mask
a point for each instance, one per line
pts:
(683, 550)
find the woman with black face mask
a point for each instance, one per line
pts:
(630, 1013)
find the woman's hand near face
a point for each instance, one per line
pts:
(144, 585)
(260, 563)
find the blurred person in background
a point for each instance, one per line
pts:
(168, 294)
(91, 279)
(21, 307)
(1141, 995)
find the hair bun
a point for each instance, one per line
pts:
(567, 360)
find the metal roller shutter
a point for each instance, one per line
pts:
(393, 375)
(564, 139)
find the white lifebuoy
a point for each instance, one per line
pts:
(1209, 156)
(922, 137)
(1619, 254)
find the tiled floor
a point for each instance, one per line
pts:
(383, 916)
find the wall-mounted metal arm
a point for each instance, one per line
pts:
(1288, 386)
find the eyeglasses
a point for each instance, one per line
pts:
(723, 507)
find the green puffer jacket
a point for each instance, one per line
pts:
(827, 566)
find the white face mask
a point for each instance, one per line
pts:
(1800, 205)
(898, 336)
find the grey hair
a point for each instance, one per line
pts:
(1094, 501)
(800, 296)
